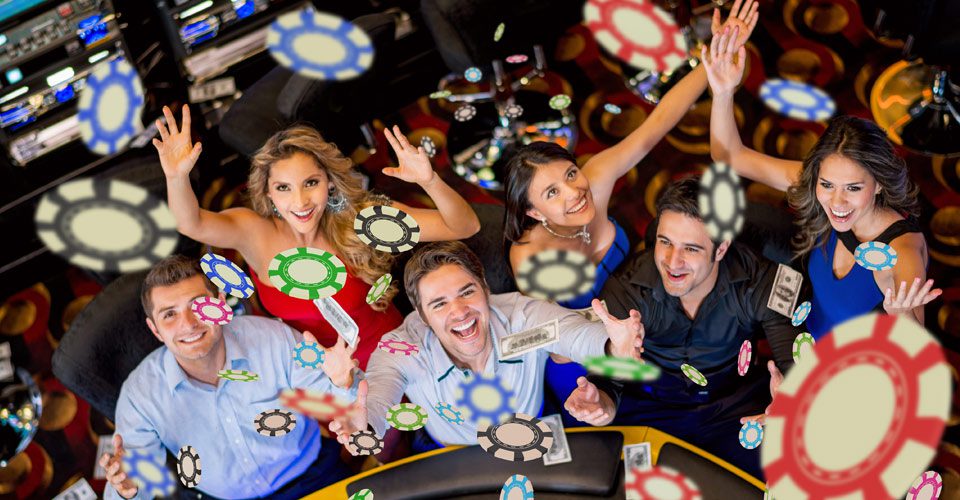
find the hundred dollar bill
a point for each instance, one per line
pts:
(785, 291)
(637, 457)
(521, 343)
(559, 452)
(339, 320)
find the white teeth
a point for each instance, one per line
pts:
(303, 214)
(465, 327)
(840, 214)
(193, 338)
(583, 201)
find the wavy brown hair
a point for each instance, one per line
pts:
(866, 144)
(363, 261)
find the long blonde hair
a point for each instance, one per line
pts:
(363, 261)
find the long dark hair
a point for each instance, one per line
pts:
(520, 170)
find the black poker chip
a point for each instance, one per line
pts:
(387, 229)
(519, 438)
(722, 202)
(365, 442)
(275, 422)
(188, 467)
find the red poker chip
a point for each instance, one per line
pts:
(517, 59)
(862, 416)
(659, 483)
(212, 310)
(319, 405)
(398, 347)
(743, 359)
(638, 32)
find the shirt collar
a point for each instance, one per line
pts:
(444, 365)
(236, 357)
(732, 270)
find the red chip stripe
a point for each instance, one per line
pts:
(319, 405)
(643, 480)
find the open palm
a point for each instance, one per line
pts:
(414, 164)
(177, 152)
(743, 15)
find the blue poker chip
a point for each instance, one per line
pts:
(110, 106)
(797, 100)
(308, 354)
(613, 109)
(473, 74)
(517, 487)
(320, 45)
(485, 400)
(149, 472)
(449, 413)
(801, 313)
(875, 256)
(751, 435)
(226, 275)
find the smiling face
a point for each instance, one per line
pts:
(846, 191)
(560, 193)
(173, 322)
(454, 304)
(683, 255)
(299, 189)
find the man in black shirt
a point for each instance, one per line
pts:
(699, 300)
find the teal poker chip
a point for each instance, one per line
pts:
(308, 354)
(801, 345)
(226, 275)
(797, 100)
(319, 45)
(379, 288)
(693, 374)
(473, 74)
(149, 471)
(517, 487)
(307, 273)
(449, 413)
(751, 435)
(560, 102)
(109, 108)
(556, 275)
(407, 417)
(722, 202)
(622, 368)
(875, 256)
(387, 229)
(801, 313)
(485, 399)
(188, 467)
(613, 109)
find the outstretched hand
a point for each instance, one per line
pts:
(413, 162)
(588, 404)
(177, 152)
(356, 418)
(906, 302)
(113, 466)
(776, 378)
(626, 335)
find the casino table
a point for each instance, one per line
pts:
(596, 472)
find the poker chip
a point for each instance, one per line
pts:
(498, 33)
(722, 202)
(429, 147)
(109, 108)
(802, 346)
(319, 45)
(926, 487)
(212, 310)
(394, 346)
(638, 32)
(801, 313)
(365, 443)
(751, 434)
(862, 416)
(441, 94)
(798, 100)
(149, 471)
(875, 256)
(106, 225)
(308, 354)
(307, 273)
(517, 59)
(693, 374)
(473, 74)
(188, 467)
(387, 229)
(319, 405)
(407, 417)
(364, 494)
(226, 275)
(560, 101)
(464, 113)
(556, 275)
(513, 111)
(517, 487)
(238, 375)
(519, 438)
(449, 413)
(659, 483)
(743, 358)
(613, 109)
(379, 288)
(622, 368)
(485, 399)
(275, 422)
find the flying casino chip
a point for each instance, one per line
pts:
(863, 416)
(212, 310)
(465, 113)
(751, 435)
(519, 438)
(517, 59)
(149, 472)
(319, 45)
(743, 358)
(801, 313)
(517, 487)
(802, 346)
(722, 202)
(379, 288)
(307, 273)
(188, 467)
(238, 375)
(319, 405)
(638, 32)
(613, 109)
(429, 147)
(498, 34)
(485, 399)
(473, 74)
(659, 483)
(514, 111)
(797, 100)
(308, 354)
(449, 413)
(441, 94)
(556, 275)
(364, 443)
(407, 417)
(110, 106)
(560, 101)
(693, 374)
(926, 487)
(364, 494)
(106, 225)
(394, 346)
(622, 368)
(275, 422)
(226, 275)
(387, 229)
(875, 256)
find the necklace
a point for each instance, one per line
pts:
(582, 233)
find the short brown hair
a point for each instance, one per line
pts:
(432, 256)
(682, 196)
(170, 271)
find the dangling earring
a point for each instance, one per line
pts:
(336, 201)
(276, 212)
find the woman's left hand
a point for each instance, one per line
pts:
(743, 14)
(414, 164)
(906, 302)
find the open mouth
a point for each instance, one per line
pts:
(676, 277)
(304, 215)
(579, 207)
(193, 339)
(466, 330)
(840, 216)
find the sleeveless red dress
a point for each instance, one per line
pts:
(302, 315)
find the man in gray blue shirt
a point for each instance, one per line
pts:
(175, 397)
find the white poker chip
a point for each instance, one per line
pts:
(109, 108)
(875, 256)
(188, 467)
(519, 438)
(797, 100)
(926, 487)
(659, 483)
(862, 416)
(275, 422)
(517, 487)
(319, 45)
(556, 275)
(513, 111)
(307, 273)
(149, 472)
(212, 310)
(473, 74)
(464, 113)
(638, 32)
(106, 225)
(429, 147)
(801, 313)
(722, 202)
(743, 358)
(387, 229)
(226, 275)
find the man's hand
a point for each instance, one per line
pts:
(338, 362)
(742, 16)
(113, 465)
(589, 404)
(355, 420)
(776, 378)
(626, 335)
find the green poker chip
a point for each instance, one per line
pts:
(238, 375)
(307, 273)
(498, 34)
(364, 494)
(693, 374)
(560, 101)
(799, 343)
(440, 94)
(379, 288)
(622, 368)
(407, 417)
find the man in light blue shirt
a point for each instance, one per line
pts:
(175, 398)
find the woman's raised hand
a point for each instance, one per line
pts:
(413, 162)
(178, 154)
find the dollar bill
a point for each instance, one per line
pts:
(521, 343)
(339, 320)
(785, 291)
(79, 490)
(587, 312)
(559, 452)
(637, 457)
(104, 445)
